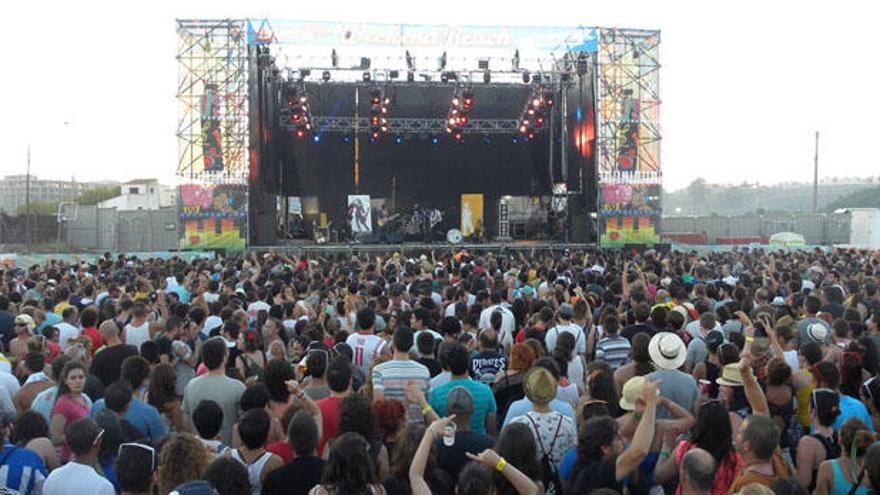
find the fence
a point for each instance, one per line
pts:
(106, 229)
(743, 229)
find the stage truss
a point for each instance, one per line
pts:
(407, 126)
(212, 65)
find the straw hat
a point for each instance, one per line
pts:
(631, 390)
(667, 350)
(730, 376)
(539, 385)
(817, 332)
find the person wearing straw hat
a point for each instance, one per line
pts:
(554, 433)
(633, 403)
(668, 353)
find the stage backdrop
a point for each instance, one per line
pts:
(359, 214)
(471, 214)
(213, 216)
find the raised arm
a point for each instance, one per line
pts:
(630, 459)
(417, 482)
(521, 483)
(753, 391)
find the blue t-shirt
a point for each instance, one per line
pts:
(852, 408)
(568, 462)
(142, 416)
(524, 405)
(22, 469)
(51, 320)
(484, 401)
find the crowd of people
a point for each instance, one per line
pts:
(605, 372)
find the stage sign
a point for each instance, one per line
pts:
(212, 152)
(629, 211)
(471, 214)
(359, 214)
(213, 216)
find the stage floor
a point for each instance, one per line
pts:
(309, 247)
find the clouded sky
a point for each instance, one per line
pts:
(744, 84)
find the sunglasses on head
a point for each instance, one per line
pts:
(141, 446)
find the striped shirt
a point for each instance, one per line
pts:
(392, 377)
(613, 350)
(22, 470)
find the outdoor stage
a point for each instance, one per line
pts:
(519, 137)
(412, 248)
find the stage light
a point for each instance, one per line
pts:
(531, 136)
(523, 129)
(375, 135)
(452, 121)
(463, 120)
(410, 63)
(384, 128)
(448, 129)
(366, 77)
(325, 76)
(487, 77)
(365, 63)
(393, 74)
(442, 61)
(514, 140)
(455, 101)
(346, 139)
(435, 141)
(458, 136)
(376, 97)
(548, 99)
(399, 140)
(444, 78)
(468, 99)
(536, 102)
(525, 77)
(483, 63)
(387, 100)
(410, 76)
(300, 133)
(334, 59)
(304, 73)
(515, 60)
(317, 138)
(537, 78)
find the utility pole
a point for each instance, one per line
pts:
(27, 202)
(816, 176)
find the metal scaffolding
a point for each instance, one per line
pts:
(628, 137)
(212, 99)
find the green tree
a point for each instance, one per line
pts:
(98, 194)
(39, 207)
(863, 198)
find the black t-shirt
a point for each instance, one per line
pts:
(164, 344)
(107, 363)
(432, 364)
(453, 459)
(94, 388)
(486, 365)
(295, 478)
(629, 331)
(601, 474)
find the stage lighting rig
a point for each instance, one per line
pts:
(380, 107)
(534, 116)
(298, 110)
(462, 103)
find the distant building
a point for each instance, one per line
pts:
(142, 194)
(13, 190)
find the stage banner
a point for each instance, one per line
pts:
(212, 137)
(471, 214)
(359, 214)
(213, 216)
(629, 211)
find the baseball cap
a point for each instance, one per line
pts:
(566, 310)
(459, 401)
(24, 319)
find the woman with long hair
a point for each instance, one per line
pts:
(162, 395)
(356, 415)
(780, 393)
(839, 476)
(822, 445)
(564, 353)
(713, 434)
(508, 384)
(401, 458)
(252, 359)
(391, 416)
(350, 469)
(70, 405)
(274, 338)
(182, 458)
(517, 445)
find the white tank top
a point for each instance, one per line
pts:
(254, 469)
(137, 335)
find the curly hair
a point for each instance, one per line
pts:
(277, 371)
(521, 357)
(162, 389)
(350, 468)
(182, 458)
(595, 433)
(390, 415)
(356, 415)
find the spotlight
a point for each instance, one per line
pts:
(514, 140)
(435, 141)
(548, 99)
(537, 78)
(525, 77)
(393, 74)
(365, 63)
(468, 99)
(375, 135)
(515, 60)
(367, 77)
(304, 73)
(410, 63)
(483, 64)
(442, 61)
(317, 138)
(334, 59)
(410, 76)
(325, 76)
(300, 133)
(487, 77)
(458, 136)
(399, 140)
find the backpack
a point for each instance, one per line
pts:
(550, 475)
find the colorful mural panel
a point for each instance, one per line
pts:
(213, 216)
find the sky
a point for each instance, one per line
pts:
(90, 86)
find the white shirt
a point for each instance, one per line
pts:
(10, 383)
(693, 328)
(76, 479)
(508, 324)
(137, 335)
(66, 331)
(366, 347)
(211, 323)
(580, 340)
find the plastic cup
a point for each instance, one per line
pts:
(449, 434)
